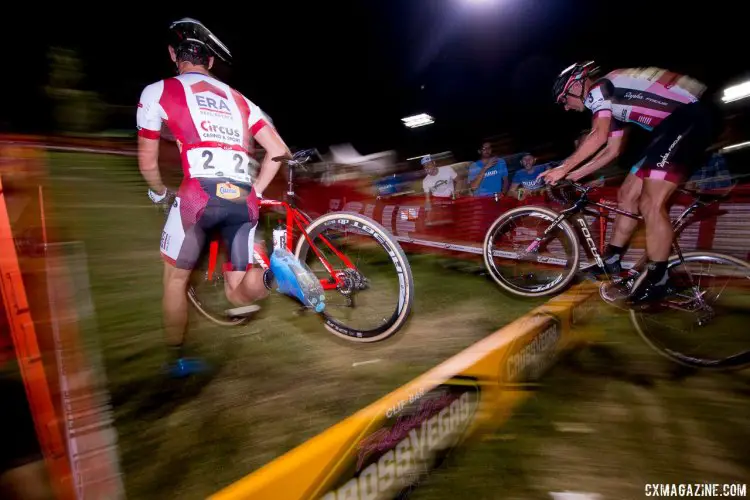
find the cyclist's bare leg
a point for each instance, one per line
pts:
(175, 304)
(653, 205)
(627, 199)
(243, 288)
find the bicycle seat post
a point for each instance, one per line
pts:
(290, 185)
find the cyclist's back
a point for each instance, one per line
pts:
(644, 96)
(213, 124)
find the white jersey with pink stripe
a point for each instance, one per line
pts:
(212, 123)
(644, 96)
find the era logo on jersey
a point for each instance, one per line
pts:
(210, 104)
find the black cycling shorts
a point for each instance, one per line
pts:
(203, 206)
(679, 144)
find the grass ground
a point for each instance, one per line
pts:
(282, 378)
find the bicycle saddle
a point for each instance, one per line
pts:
(300, 157)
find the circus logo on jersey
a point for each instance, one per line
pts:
(212, 131)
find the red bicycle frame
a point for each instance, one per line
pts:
(293, 218)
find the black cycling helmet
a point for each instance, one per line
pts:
(189, 35)
(574, 73)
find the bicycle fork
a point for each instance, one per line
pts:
(534, 245)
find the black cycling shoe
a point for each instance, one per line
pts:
(649, 293)
(596, 272)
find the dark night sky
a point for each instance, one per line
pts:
(347, 71)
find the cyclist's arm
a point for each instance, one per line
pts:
(592, 143)
(148, 163)
(273, 144)
(149, 118)
(599, 101)
(602, 159)
(269, 139)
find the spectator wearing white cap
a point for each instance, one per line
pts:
(439, 182)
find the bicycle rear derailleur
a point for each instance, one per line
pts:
(351, 281)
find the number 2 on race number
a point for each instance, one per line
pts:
(238, 168)
(212, 162)
(208, 155)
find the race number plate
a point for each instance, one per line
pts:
(218, 163)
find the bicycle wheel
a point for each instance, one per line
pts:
(704, 324)
(521, 266)
(206, 292)
(378, 291)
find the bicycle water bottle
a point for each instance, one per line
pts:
(279, 236)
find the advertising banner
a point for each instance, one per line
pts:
(385, 450)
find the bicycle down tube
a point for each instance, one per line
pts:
(295, 218)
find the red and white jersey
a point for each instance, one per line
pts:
(212, 122)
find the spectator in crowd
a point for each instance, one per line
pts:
(526, 180)
(713, 175)
(489, 174)
(440, 182)
(387, 186)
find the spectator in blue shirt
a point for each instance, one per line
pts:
(713, 175)
(489, 174)
(526, 179)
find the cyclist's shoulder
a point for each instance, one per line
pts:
(152, 90)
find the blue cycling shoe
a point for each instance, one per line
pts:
(184, 367)
(296, 280)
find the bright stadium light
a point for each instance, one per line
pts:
(734, 147)
(419, 120)
(736, 92)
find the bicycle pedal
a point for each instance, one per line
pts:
(614, 292)
(242, 311)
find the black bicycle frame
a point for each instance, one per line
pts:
(579, 208)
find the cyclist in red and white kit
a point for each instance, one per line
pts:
(213, 125)
(669, 105)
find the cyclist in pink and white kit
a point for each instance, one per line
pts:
(668, 105)
(212, 124)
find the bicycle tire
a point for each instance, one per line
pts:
(397, 255)
(532, 211)
(736, 362)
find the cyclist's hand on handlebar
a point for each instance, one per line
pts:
(553, 175)
(574, 176)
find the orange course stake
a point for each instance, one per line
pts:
(30, 363)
